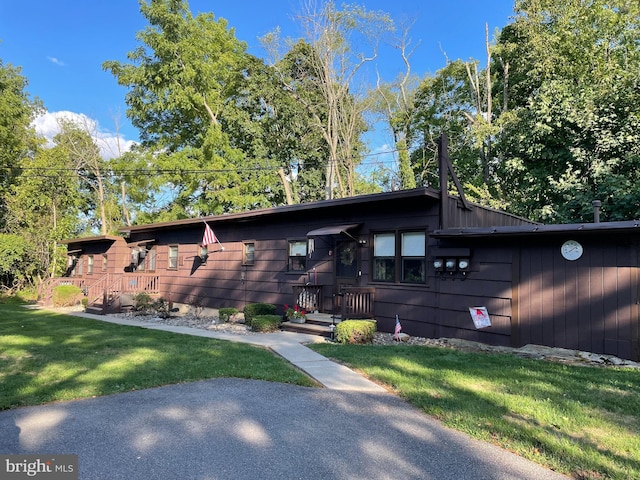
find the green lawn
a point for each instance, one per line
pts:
(46, 357)
(582, 421)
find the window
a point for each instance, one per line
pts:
(173, 257)
(413, 257)
(150, 260)
(248, 255)
(400, 257)
(384, 257)
(297, 255)
(90, 264)
(79, 267)
(104, 262)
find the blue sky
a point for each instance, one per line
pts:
(61, 45)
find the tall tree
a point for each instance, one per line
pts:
(396, 103)
(44, 204)
(336, 102)
(570, 119)
(92, 170)
(185, 81)
(17, 137)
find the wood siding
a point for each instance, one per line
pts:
(589, 304)
(532, 294)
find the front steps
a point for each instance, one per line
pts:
(321, 324)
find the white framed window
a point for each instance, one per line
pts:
(413, 257)
(173, 258)
(384, 257)
(249, 253)
(297, 255)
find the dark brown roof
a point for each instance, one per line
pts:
(422, 192)
(99, 238)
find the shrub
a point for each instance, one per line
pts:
(66, 295)
(266, 323)
(226, 313)
(161, 307)
(142, 302)
(253, 309)
(355, 331)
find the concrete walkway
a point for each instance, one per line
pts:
(288, 345)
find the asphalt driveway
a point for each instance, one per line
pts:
(247, 429)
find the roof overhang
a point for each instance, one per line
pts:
(101, 238)
(529, 230)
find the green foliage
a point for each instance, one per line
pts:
(142, 302)
(266, 323)
(226, 313)
(17, 139)
(67, 295)
(145, 303)
(570, 128)
(17, 265)
(251, 310)
(355, 331)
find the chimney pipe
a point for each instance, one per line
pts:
(596, 210)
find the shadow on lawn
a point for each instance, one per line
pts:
(48, 357)
(458, 386)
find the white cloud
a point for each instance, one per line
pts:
(48, 126)
(55, 61)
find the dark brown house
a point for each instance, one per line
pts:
(426, 259)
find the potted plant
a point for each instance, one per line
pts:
(295, 314)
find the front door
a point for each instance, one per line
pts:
(346, 261)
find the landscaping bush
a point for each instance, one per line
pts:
(253, 309)
(266, 323)
(142, 302)
(355, 331)
(161, 307)
(225, 314)
(66, 295)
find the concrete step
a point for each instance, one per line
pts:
(94, 309)
(322, 319)
(324, 330)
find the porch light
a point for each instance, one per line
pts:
(450, 265)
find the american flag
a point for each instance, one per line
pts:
(209, 237)
(398, 328)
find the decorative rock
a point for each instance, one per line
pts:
(403, 337)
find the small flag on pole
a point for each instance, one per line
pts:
(209, 237)
(397, 330)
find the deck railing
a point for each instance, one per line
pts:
(356, 302)
(107, 288)
(309, 297)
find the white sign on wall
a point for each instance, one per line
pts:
(480, 317)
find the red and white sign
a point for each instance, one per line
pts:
(480, 317)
